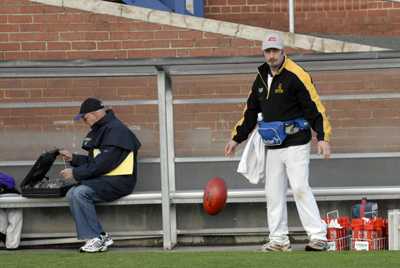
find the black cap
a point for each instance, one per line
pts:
(89, 105)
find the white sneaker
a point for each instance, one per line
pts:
(94, 245)
(272, 246)
(107, 239)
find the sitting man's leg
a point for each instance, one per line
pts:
(82, 201)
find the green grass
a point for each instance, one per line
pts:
(218, 259)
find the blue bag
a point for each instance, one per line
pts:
(7, 181)
(273, 133)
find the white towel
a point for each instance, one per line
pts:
(252, 162)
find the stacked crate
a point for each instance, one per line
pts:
(365, 230)
(338, 233)
(369, 234)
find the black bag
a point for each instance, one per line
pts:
(37, 184)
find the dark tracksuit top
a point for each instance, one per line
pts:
(291, 95)
(115, 142)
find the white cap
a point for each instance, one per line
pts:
(273, 40)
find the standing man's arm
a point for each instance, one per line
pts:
(245, 125)
(315, 114)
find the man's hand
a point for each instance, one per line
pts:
(324, 148)
(67, 174)
(66, 155)
(230, 148)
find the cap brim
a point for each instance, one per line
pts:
(78, 117)
(268, 47)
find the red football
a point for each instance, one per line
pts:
(214, 197)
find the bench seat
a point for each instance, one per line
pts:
(12, 201)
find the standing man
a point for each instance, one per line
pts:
(284, 94)
(107, 173)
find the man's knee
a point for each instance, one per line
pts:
(301, 191)
(70, 193)
(78, 193)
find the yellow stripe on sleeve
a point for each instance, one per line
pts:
(305, 78)
(240, 122)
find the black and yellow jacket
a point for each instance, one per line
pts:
(292, 95)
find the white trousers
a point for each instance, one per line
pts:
(291, 164)
(11, 221)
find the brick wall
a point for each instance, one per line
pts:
(200, 129)
(36, 32)
(30, 31)
(31, 130)
(358, 125)
(355, 17)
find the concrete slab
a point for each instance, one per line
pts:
(303, 41)
(378, 41)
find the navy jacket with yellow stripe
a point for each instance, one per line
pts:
(114, 142)
(292, 95)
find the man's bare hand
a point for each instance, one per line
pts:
(230, 148)
(324, 148)
(66, 155)
(67, 174)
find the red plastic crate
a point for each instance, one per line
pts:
(339, 244)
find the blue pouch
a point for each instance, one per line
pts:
(7, 181)
(273, 133)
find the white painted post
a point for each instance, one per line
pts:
(291, 15)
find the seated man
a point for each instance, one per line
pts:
(107, 173)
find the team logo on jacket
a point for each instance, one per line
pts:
(260, 89)
(279, 89)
